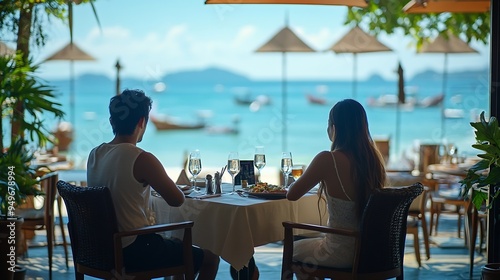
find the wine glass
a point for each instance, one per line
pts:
(194, 167)
(286, 165)
(259, 159)
(233, 167)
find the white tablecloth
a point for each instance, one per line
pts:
(231, 226)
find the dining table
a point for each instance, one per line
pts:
(232, 225)
(449, 169)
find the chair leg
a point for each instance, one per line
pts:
(438, 213)
(50, 244)
(431, 218)
(426, 236)
(459, 222)
(61, 225)
(416, 244)
(472, 241)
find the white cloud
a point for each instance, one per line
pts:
(113, 33)
(244, 35)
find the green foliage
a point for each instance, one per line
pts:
(388, 16)
(16, 173)
(43, 11)
(478, 176)
(18, 84)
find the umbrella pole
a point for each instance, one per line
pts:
(398, 127)
(354, 78)
(72, 93)
(283, 104)
(445, 75)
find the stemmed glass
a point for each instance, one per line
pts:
(259, 159)
(194, 167)
(233, 167)
(286, 165)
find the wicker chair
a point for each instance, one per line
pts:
(380, 242)
(96, 242)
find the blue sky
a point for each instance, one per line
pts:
(152, 38)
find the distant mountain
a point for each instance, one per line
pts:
(375, 78)
(431, 75)
(209, 75)
(93, 78)
(215, 76)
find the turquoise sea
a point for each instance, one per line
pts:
(306, 122)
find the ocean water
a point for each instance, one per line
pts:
(306, 134)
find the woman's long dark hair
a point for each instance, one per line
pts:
(352, 137)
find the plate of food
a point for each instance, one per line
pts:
(186, 189)
(266, 191)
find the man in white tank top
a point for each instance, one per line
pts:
(130, 172)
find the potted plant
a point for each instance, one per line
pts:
(17, 181)
(487, 140)
(482, 181)
(19, 85)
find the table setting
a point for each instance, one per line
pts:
(232, 219)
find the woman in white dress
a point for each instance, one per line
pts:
(347, 175)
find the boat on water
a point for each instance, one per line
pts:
(222, 130)
(166, 124)
(313, 99)
(432, 101)
(225, 129)
(453, 113)
(391, 100)
(247, 99)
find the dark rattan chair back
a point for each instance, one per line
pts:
(383, 229)
(92, 223)
(380, 240)
(96, 242)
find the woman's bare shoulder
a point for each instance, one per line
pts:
(340, 155)
(323, 155)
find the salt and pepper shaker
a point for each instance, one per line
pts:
(209, 184)
(217, 187)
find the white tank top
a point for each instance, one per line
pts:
(112, 166)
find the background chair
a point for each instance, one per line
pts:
(444, 202)
(43, 218)
(383, 145)
(96, 241)
(380, 241)
(475, 219)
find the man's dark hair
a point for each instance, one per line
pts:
(127, 108)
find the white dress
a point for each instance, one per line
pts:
(331, 250)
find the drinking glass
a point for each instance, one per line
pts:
(194, 166)
(286, 165)
(259, 159)
(233, 167)
(297, 171)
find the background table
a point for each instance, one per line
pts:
(231, 226)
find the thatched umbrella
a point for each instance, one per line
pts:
(6, 50)
(450, 6)
(446, 45)
(284, 41)
(71, 52)
(351, 3)
(357, 41)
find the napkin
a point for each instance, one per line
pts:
(183, 179)
(205, 196)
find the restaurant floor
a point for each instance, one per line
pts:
(449, 259)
